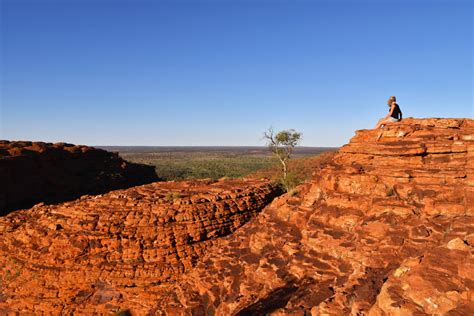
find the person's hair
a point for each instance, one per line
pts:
(391, 100)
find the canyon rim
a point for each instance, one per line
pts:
(384, 228)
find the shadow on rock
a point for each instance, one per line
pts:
(34, 172)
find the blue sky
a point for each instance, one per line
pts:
(221, 72)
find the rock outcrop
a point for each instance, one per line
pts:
(60, 258)
(34, 172)
(384, 228)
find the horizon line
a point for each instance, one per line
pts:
(237, 146)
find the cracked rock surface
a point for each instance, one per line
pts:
(385, 228)
(87, 255)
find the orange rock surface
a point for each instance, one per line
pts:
(57, 258)
(33, 172)
(384, 228)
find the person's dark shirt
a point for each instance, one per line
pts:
(397, 113)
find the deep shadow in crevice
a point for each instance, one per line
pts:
(276, 299)
(56, 175)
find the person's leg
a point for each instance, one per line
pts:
(381, 122)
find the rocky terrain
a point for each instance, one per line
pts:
(56, 258)
(385, 227)
(34, 172)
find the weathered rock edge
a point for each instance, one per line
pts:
(387, 228)
(83, 256)
(34, 172)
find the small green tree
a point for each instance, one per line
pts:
(282, 145)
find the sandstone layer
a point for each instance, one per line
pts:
(33, 172)
(83, 256)
(384, 228)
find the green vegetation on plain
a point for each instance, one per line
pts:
(196, 165)
(180, 163)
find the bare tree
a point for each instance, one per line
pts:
(282, 145)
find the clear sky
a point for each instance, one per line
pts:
(108, 72)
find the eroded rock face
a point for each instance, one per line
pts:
(439, 282)
(86, 255)
(386, 228)
(34, 172)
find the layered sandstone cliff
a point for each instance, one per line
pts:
(385, 228)
(84, 256)
(34, 172)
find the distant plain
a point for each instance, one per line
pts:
(186, 162)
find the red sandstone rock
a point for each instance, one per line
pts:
(61, 258)
(385, 228)
(388, 198)
(438, 282)
(33, 172)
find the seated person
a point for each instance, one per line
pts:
(394, 113)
